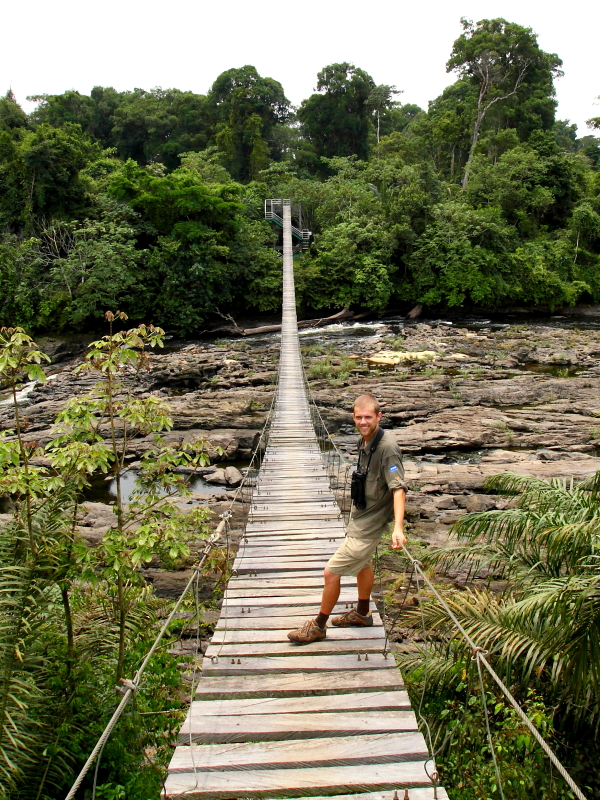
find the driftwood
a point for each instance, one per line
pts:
(343, 315)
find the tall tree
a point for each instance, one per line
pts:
(245, 110)
(159, 125)
(337, 120)
(497, 57)
(380, 99)
(12, 115)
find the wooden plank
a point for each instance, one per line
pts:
(290, 537)
(356, 701)
(293, 596)
(207, 730)
(222, 635)
(285, 647)
(298, 684)
(299, 663)
(297, 782)
(378, 748)
(282, 567)
(255, 579)
(286, 590)
(306, 610)
(283, 582)
(292, 526)
(286, 621)
(275, 547)
(419, 793)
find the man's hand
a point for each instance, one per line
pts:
(398, 538)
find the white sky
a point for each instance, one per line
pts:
(49, 47)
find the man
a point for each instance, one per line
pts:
(385, 492)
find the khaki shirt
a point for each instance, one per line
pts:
(385, 474)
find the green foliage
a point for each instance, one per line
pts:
(540, 634)
(152, 201)
(337, 120)
(245, 110)
(75, 619)
(545, 625)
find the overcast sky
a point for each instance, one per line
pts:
(49, 47)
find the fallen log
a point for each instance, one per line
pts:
(343, 315)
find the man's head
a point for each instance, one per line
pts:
(366, 415)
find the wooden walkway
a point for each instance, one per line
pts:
(272, 719)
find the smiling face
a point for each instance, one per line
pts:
(366, 420)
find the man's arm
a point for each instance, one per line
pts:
(398, 537)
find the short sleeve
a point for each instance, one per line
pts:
(392, 468)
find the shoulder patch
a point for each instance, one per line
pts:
(394, 468)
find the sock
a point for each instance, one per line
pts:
(321, 619)
(362, 607)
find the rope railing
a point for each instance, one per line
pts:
(129, 688)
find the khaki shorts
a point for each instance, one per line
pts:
(352, 556)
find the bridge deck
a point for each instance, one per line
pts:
(272, 719)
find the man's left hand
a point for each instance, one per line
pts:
(398, 538)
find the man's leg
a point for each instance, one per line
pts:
(331, 593)
(314, 629)
(365, 580)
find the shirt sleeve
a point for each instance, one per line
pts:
(392, 468)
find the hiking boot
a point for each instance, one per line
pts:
(309, 632)
(352, 619)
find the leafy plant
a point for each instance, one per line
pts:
(73, 617)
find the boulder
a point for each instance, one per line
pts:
(479, 502)
(233, 476)
(99, 515)
(218, 476)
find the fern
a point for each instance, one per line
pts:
(545, 626)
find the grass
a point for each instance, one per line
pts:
(394, 342)
(499, 424)
(325, 369)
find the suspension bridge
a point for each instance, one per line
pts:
(269, 718)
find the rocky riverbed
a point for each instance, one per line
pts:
(464, 402)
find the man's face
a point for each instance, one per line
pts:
(366, 420)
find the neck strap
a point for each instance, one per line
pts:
(376, 439)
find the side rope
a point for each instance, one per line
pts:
(128, 688)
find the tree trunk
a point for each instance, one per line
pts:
(476, 131)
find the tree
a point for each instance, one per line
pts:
(12, 115)
(245, 108)
(496, 57)
(160, 125)
(594, 122)
(381, 99)
(337, 120)
(40, 174)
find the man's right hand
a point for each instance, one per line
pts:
(398, 538)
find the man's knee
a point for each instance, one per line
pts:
(331, 577)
